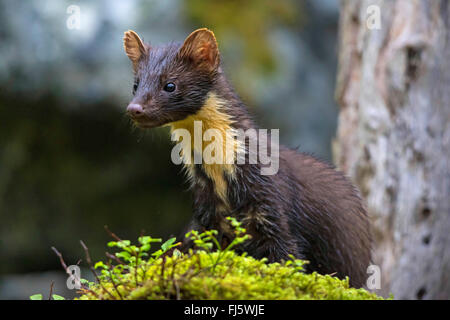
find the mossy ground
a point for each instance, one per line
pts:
(196, 276)
(209, 273)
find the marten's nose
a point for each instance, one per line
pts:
(135, 109)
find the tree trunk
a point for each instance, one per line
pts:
(393, 138)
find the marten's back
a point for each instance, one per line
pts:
(333, 219)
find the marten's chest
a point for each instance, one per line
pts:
(208, 146)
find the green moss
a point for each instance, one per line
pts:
(209, 274)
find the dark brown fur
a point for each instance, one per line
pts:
(308, 209)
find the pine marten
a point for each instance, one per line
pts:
(307, 209)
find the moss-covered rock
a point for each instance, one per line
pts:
(208, 274)
(193, 276)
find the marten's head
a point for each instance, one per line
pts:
(171, 82)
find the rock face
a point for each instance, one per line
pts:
(393, 138)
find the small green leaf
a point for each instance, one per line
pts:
(147, 239)
(112, 244)
(123, 244)
(57, 297)
(144, 240)
(134, 249)
(36, 297)
(167, 245)
(125, 255)
(157, 253)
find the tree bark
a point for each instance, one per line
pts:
(393, 138)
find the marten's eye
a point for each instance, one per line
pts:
(135, 86)
(169, 87)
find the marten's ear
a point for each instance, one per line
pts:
(201, 48)
(134, 47)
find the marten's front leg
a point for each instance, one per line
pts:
(269, 238)
(274, 249)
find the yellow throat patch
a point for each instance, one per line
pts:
(212, 116)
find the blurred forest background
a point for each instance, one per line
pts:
(70, 162)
